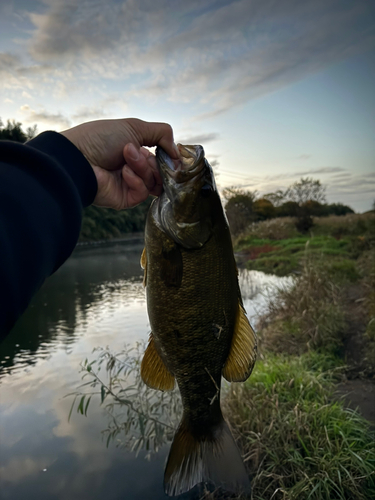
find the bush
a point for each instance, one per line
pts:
(347, 225)
(338, 209)
(272, 229)
(287, 209)
(264, 209)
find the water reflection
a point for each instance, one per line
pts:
(58, 313)
(258, 290)
(95, 299)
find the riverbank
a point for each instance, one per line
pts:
(294, 417)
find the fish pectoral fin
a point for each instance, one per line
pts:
(144, 266)
(154, 373)
(241, 359)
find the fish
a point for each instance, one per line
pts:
(199, 328)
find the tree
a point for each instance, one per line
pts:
(264, 209)
(307, 189)
(277, 198)
(13, 132)
(338, 209)
(307, 193)
(239, 209)
(288, 209)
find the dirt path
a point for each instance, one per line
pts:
(359, 394)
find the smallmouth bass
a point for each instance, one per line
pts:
(200, 331)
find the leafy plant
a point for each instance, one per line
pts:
(138, 417)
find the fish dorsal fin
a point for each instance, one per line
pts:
(144, 265)
(241, 359)
(154, 373)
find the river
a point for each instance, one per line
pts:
(95, 299)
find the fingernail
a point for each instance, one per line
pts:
(133, 153)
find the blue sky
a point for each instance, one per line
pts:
(273, 90)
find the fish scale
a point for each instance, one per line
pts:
(199, 328)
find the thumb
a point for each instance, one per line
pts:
(155, 134)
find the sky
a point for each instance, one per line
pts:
(274, 90)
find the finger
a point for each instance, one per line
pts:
(135, 189)
(155, 134)
(158, 188)
(136, 159)
(144, 165)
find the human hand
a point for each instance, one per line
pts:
(126, 171)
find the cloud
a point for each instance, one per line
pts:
(14, 74)
(322, 170)
(56, 120)
(303, 157)
(200, 138)
(86, 113)
(217, 53)
(344, 175)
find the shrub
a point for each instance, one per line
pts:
(287, 209)
(264, 209)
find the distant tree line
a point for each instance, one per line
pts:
(303, 200)
(12, 131)
(106, 223)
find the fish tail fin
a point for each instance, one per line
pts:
(212, 458)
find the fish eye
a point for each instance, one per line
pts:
(206, 190)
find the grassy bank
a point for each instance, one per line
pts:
(298, 444)
(276, 247)
(332, 301)
(299, 441)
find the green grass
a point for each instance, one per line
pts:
(298, 443)
(286, 256)
(274, 246)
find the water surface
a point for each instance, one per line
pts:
(95, 299)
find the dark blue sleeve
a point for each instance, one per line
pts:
(44, 185)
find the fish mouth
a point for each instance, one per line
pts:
(190, 164)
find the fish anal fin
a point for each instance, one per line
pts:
(241, 359)
(211, 458)
(154, 373)
(144, 266)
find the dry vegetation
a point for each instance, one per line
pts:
(298, 442)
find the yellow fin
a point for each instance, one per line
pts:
(154, 373)
(241, 359)
(144, 265)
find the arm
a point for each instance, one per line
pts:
(45, 184)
